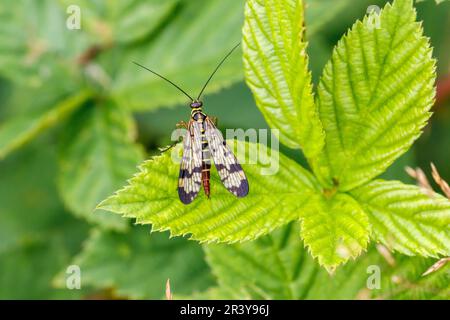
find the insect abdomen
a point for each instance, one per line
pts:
(206, 163)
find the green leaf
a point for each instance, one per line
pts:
(437, 1)
(40, 49)
(122, 21)
(406, 219)
(273, 201)
(374, 96)
(97, 156)
(186, 52)
(405, 280)
(137, 265)
(37, 236)
(19, 130)
(276, 69)
(334, 229)
(213, 293)
(277, 266)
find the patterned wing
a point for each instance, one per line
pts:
(190, 178)
(229, 169)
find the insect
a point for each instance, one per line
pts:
(203, 142)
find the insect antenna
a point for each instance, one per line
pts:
(164, 78)
(215, 70)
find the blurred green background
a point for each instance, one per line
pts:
(77, 117)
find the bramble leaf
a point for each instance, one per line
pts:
(273, 201)
(277, 266)
(374, 96)
(276, 68)
(19, 130)
(124, 21)
(43, 47)
(405, 280)
(334, 229)
(406, 219)
(97, 155)
(437, 1)
(137, 266)
(179, 52)
(374, 99)
(37, 236)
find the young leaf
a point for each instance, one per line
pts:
(19, 130)
(276, 69)
(97, 156)
(137, 265)
(273, 201)
(406, 219)
(374, 96)
(335, 229)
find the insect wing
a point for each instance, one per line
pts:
(229, 169)
(190, 179)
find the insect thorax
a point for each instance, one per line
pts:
(197, 114)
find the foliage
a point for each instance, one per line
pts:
(372, 79)
(278, 267)
(276, 67)
(406, 219)
(76, 117)
(107, 254)
(38, 237)
(97, 154)
(150, 198)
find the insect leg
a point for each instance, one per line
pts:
(179, 125)
(214, 120)
(162, 150)
(182, 124)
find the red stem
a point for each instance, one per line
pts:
(443, 89)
